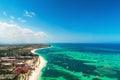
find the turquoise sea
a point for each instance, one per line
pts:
(75, 61)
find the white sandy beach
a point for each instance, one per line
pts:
(36, 73)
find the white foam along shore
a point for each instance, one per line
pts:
(38, 71)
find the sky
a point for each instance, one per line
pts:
(44, 21)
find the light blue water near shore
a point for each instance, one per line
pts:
(81, 62)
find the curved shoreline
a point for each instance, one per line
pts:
(38, 71)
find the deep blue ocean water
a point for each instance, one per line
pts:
(78, 61)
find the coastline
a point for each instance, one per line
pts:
(38, 71)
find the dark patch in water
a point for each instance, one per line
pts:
(96, 79)
(118, 74)
(56, 73)
(72, 64)
(69, 64)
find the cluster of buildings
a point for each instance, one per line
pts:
(17, 60)
(12, 66)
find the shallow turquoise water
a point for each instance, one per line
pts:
(81, 62)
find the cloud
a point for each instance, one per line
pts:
(4, 13)
(21, 20)
(12, 33)
(12, 17)
(11, 21)
(29, 14)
